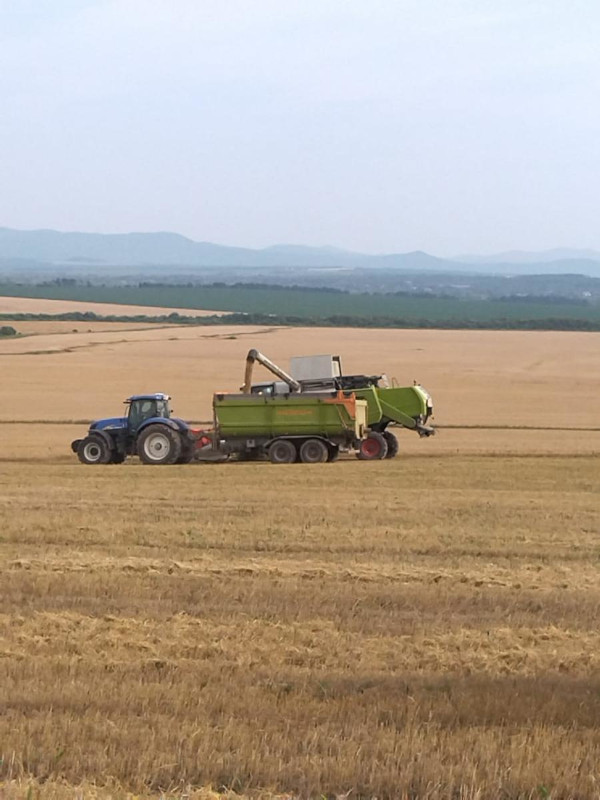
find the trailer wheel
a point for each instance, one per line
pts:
(159, 444)
(93, 450)
(313, 451)
(282, 451)
(373, 448)
(392, 444)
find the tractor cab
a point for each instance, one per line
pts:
(147, 406)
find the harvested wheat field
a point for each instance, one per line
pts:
(36, 305)
(421, 627)
(500, 378)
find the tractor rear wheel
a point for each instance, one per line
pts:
(313, 451)
(93, 450)
(282, 451)
(187, 453)
(373, 448)
(159, 444)
(392, 444)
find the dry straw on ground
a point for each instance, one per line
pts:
(426, 627)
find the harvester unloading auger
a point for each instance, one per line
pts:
(405, 406)
(254, 356)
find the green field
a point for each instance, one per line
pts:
(322, 305)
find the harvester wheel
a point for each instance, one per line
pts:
(282, 451)
(313, 451)
(373, 448)
(159, 444)
(392, 444)
(93, 450)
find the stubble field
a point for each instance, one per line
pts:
(425, 627)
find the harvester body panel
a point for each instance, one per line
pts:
(400, 404)
(408, 406)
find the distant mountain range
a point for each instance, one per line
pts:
(91, 252)
(527, 257)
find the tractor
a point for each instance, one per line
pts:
(148, 430)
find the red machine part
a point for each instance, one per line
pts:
(202, 438)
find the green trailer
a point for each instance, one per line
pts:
(310, 428)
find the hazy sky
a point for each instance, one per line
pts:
(378, 125)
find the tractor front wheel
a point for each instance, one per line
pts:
(93, 450)
(373, 448)
(158, 444)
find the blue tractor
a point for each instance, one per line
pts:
(148, 431)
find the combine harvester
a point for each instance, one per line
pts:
(405, 406)
(292, 419)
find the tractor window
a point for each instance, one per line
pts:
(162, 409)
(141, 410)
(148, 409)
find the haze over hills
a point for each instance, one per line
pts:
(527, 257)
(94, 251)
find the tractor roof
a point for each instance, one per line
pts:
(156, 396)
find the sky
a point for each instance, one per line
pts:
(450, 126)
